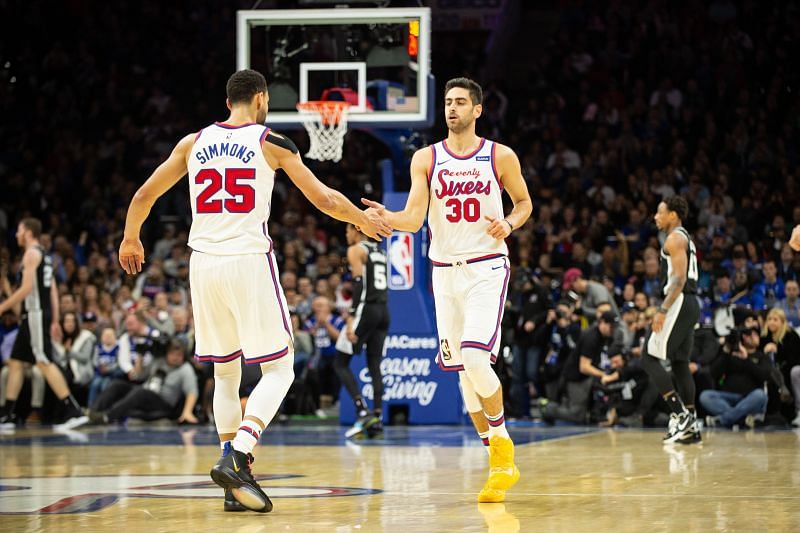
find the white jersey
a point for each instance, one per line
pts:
(230, 189)
(463, 190)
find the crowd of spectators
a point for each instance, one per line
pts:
(622, 106)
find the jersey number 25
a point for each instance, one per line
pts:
(243, 196)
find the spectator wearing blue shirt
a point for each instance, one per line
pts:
(791, 303)
(738, 262)
(106, 364)
(786, 270)
(767, 293)
(722, 287)
(651, 283)
(742, 294)
(325, 327)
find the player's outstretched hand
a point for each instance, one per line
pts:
(131, 255)
(376, 227)
(498, 228)
(794, 241)
(376, 215)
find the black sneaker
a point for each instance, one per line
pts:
(692, 435)
(231, 505)
(73, 418)
(232, 473)
(362, 425)
(375, 431)
(9, 421)
(679, 427)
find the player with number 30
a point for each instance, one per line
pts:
(459, 184)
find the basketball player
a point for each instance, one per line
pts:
(367, 326)
(459, 183)
(672, 332)
(239, 307)
(39, 297)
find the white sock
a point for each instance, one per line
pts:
(497, 425)
(247, 437)
(484, 435)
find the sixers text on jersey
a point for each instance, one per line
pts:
(463, 190)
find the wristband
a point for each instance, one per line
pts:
(511, 227)
(662, 310)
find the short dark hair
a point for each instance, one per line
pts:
(174, 345)
(33, 224)
(243, 85)
(356, 228)
(679, 205)
(475, 91)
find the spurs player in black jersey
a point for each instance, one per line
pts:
(39, 298)
(367, 326)
(672, 335)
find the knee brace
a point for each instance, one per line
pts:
(471, 400)
(227, 409)
(479, 371)
(279, 373)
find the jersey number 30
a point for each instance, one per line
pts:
(469, 210)
(243, 195)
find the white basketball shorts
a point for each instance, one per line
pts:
(657, 342)
(239, 308)
(470, 299)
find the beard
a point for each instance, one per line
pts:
(459, 125)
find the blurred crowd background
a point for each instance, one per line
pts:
(617, 106)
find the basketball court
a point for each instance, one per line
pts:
(415, 479)
(331, 71)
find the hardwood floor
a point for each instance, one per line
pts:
(417, 479)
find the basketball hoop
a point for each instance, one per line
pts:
(326, 123)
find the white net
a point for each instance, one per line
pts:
(326, 123)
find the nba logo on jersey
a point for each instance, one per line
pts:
(401, 261)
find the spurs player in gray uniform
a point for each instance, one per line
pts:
(39, 298)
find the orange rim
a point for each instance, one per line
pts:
(330, 112)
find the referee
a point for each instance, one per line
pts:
(367, 326)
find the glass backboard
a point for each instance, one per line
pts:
(376, 59)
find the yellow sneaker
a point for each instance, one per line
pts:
(503, 473)
(490, 495)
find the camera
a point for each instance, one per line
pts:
(573, 296)
(154, 343)
(734, 338)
